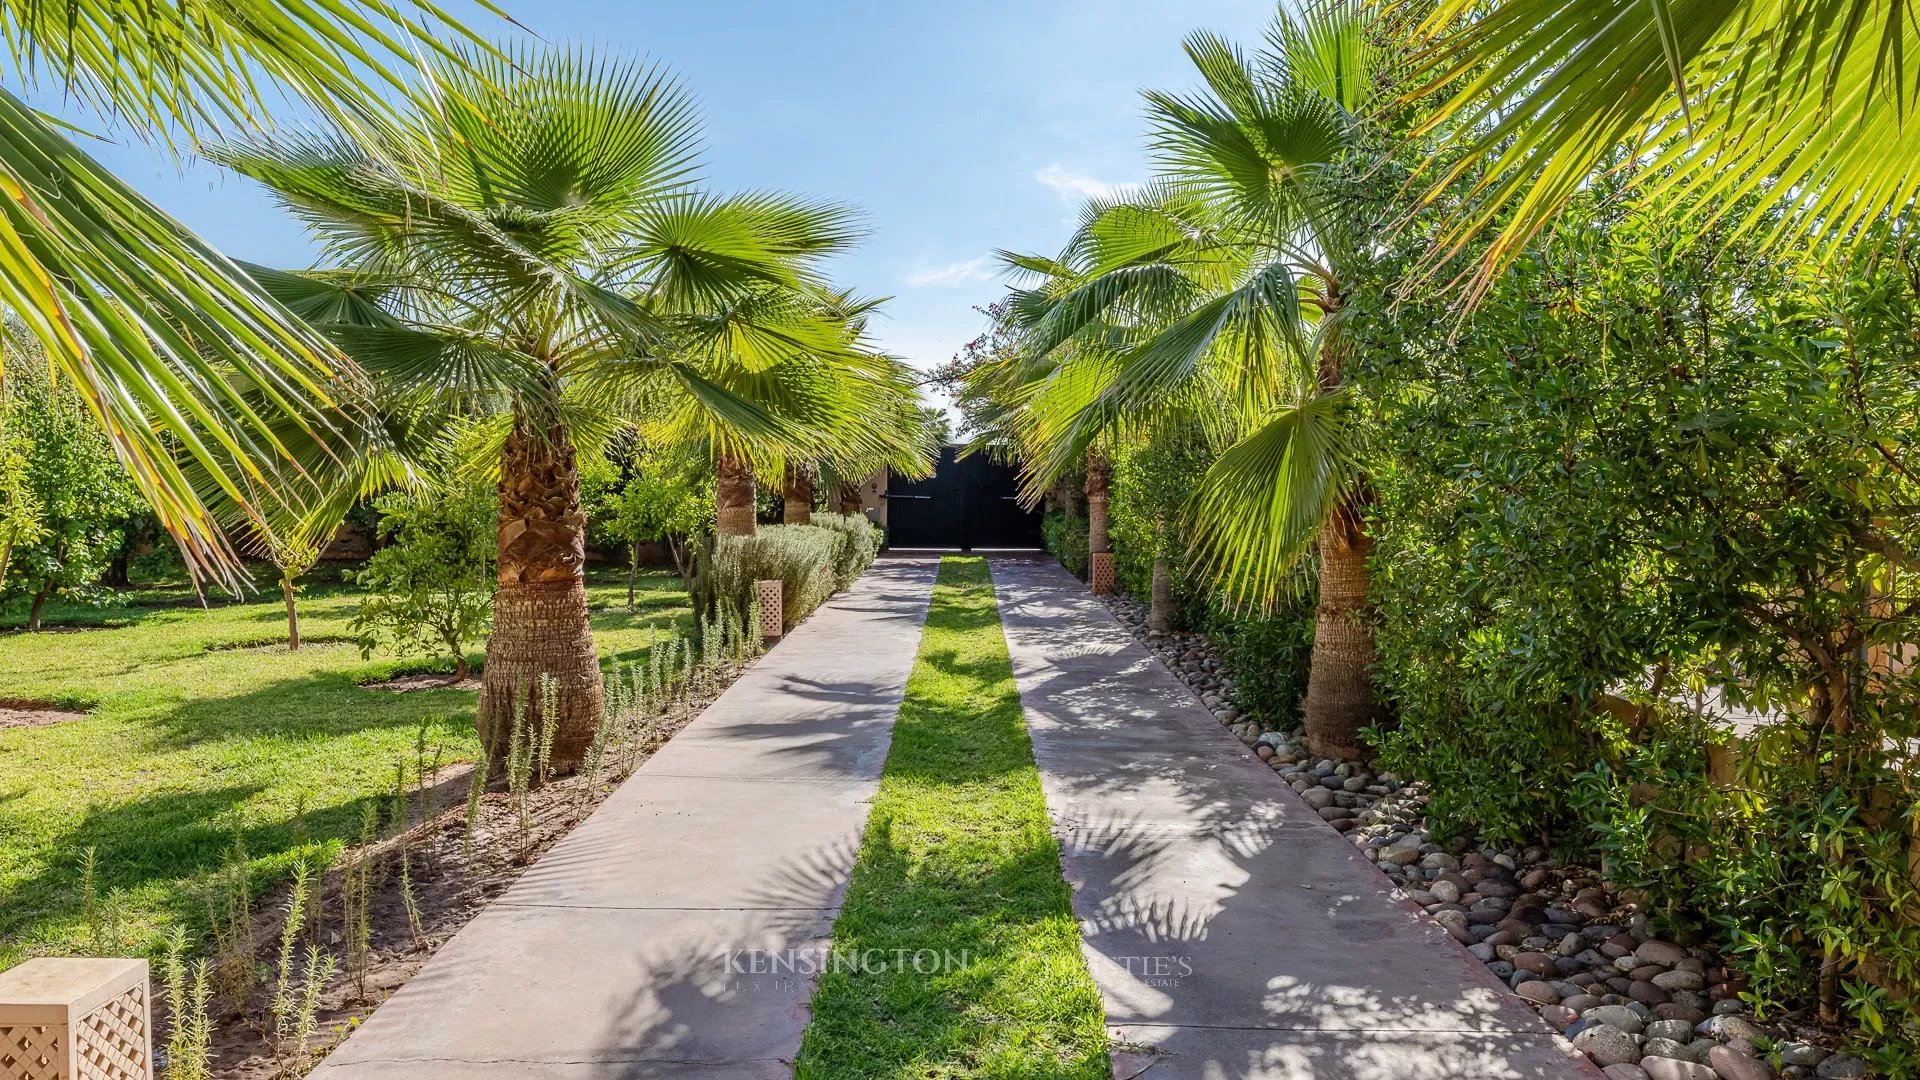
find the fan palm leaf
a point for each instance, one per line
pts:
(174, 348)
(1797, 117)
(558, 263)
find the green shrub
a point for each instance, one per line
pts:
(858, 545)
(1148, 497)
(1659, 475)
(65, 499)
(1267, 655)
(802, 557)
(431, 585)
(1065, 537)
(1754, 864)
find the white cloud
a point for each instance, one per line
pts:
(1074, 185)
(952, 274)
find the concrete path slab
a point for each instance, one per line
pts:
(1234, 935)
(668, 937)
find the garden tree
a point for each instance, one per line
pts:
(430, 585)
(847, 492)
(65, 522)
(667, 497)
(889, 430)
(292, 555)
(19, 507)
(1218, 296)
(984, 378)
(939, 425)
(733, 495)
(1656, 473)
(160, 336)
(528, 238)
(1099, 483)
(1775, 120)
(912, 445)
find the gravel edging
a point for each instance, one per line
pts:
(1562, 938)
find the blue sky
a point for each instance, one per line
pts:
(958, 128)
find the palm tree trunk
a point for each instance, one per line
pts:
(733, 496)
(797, 495)
(540, 623)
(1160, 612)
(293, 614)
(850, 501)
(1340, 700)
(1099, 475)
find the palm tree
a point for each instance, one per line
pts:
(181, 357)
(1797, 117)
(535, 245)
(733, 496)
(890, 430)
(1216, 298)
(796, 494)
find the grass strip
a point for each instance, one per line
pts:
(958, 859)
(202, 726)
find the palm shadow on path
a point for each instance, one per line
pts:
(1233, 932)
(666, 936)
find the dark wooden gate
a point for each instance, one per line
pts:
(967, 503)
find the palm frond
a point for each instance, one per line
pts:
(1803, 108)
(159, 333)
(1261, 505)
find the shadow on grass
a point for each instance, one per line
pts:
(160, 839)
(302, 708)
(176, 842)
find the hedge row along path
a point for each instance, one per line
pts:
(1228, 931)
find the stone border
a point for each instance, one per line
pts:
(1559, 936)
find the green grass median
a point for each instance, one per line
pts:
(958, 871)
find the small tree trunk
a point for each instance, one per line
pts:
(633, 571)
(540, 623)
(850, 501)
(733, 496)
(1160, 613)
(1340, 700)
(797, 495)
(686, 560)
(1099, 474)
(119, 571)
(293, 614)
(39, 603)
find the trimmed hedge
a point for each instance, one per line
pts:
(1065, 537)
(812, 562)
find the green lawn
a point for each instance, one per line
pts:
(202, 725)
(958, 858)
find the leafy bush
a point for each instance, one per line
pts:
(858, 545)
(651, 497)
(1065, 537)
(1747, 852)
(431, 585)
(1677, 484)
(1148, 495)
(65, 500)
(1267, 655)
